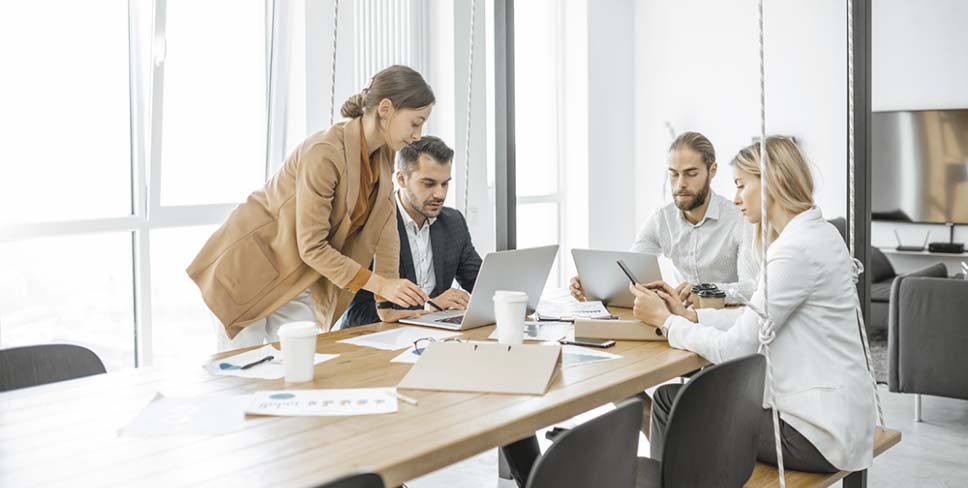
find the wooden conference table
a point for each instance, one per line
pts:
(66, 433)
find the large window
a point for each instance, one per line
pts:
(132, 129)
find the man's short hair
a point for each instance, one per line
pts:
(408, 157)
(697, 142)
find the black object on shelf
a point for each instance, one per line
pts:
(948, 247)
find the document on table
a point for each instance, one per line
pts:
(579, 355)
(269, 370)
(209, 415)
(545, 331)
(323, 403)
(573, 310)
(394, 339)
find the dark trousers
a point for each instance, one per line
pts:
(798, 453)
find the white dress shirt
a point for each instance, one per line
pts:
(820, 380)
(420, 248)
(717, 249)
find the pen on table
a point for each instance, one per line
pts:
(256, 363)
(432, 304)
(402, 397)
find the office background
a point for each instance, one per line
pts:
(140, 125)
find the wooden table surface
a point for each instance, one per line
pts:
(66, 433)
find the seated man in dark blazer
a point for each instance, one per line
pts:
(435, 245)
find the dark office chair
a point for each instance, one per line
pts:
(713, 429)
(22, 367)
(359, 480)
(600, 452)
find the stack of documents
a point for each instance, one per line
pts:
(572, 310)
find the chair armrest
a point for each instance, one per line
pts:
(936, 270)
(927, 334)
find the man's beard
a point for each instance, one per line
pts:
(420, 207)
(694, 202)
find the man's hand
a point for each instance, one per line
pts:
(684, 292)
(576, 290)
(452, 299)
(649, 306)
(394, 315)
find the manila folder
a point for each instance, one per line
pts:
(619, 330)
(525, 369)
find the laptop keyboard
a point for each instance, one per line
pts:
(457, 319)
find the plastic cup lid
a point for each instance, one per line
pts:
(298, 329)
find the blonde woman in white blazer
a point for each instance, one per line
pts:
(821, 384)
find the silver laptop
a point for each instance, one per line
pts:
(602, 279)
(518, 270)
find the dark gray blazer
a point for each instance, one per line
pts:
(454, 257)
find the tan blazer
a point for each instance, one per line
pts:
(292, 235)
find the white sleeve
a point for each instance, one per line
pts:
(747, 265)
(791, 284)
(647, 240)
(721, 319)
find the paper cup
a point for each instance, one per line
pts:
(298, 350)
(510, 308)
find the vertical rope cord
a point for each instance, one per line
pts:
(858, 266)
(470, 99)
(767, 334)
(332, 81)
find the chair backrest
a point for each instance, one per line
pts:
(359, 480)
(600, 452)
(714, 425)
(21, 367)
(881, 267)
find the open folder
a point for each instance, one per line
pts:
(525, 369)
(619, 330)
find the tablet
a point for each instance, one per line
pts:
(603, 279)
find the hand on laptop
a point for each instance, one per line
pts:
(395, 315)
(452, 299)
(576, 289)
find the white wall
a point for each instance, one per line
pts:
(697, 67)
(919, 62)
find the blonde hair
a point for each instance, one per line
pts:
(697, 142)
(789, 182)
(404, 86)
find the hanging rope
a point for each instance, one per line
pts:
(766, 332)
(332, 81)
(470, 99)
(858, 266)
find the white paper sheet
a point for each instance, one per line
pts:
(581, 355)
(565, 309)
(323, 403)
(545, 331)
(392, 340)
(210, 415)
(271, 370)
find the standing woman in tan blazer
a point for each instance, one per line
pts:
(299, 248)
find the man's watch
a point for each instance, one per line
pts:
(384, 305)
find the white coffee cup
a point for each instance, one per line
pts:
(510, 308)
(298, 350)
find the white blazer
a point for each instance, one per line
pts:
(820, 380)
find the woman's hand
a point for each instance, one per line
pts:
(649, 306)
(402, 292)
(671, 299)
(684, 292)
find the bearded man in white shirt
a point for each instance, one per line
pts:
(701, 232)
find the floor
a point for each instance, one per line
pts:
(932, 453)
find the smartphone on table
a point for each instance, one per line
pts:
(602, 343)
